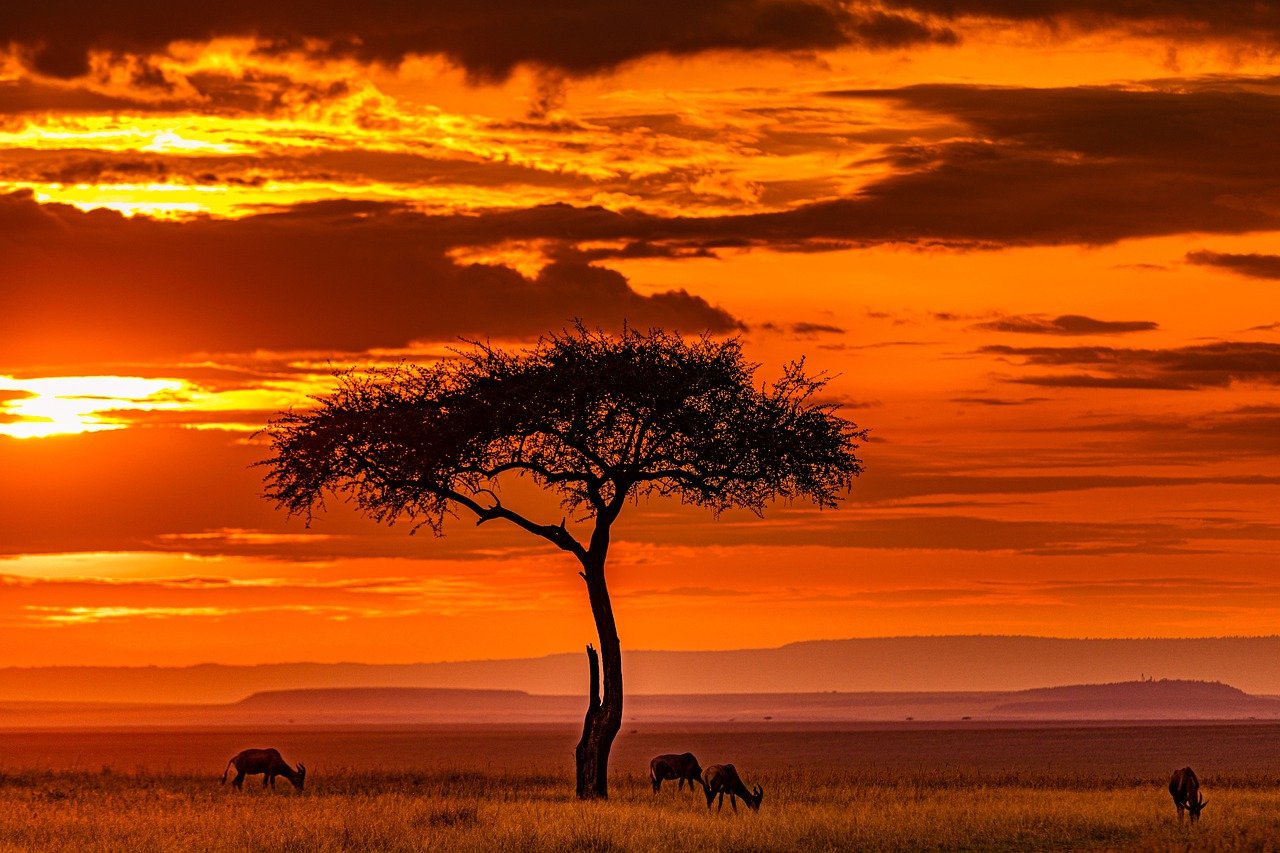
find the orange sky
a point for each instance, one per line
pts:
(1037, 246)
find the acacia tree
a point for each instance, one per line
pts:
(596, 419)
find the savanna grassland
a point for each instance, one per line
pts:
(904, 788)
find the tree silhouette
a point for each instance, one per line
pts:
(596, 419)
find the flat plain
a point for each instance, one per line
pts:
(963, 786)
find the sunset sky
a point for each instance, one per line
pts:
(1035, 244)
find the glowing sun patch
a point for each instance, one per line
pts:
(67, 405)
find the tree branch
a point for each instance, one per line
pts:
(587, 453)
(698, 479)
(542, 471)
(556, 534)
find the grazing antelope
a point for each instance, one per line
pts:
(268, 762)
(1184, 787)
(724, 779)
(671, 766)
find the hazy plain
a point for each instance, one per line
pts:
(877, 787)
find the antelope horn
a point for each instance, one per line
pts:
(1200, 800)
(758, 791)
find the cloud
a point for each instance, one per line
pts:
(1250, 265)
(7, 397)
(580, 37)
(994, 167)
(804, 328)
(963, 532)
(1146, 593)
(1089, 164)
(1124, 383)
(1244, 20)
(340, 276)
(1246, 432)
(692, 592)
(986, 479)
(86, 600)
(574, 37)
(1066, 325)
(201, 93)
(1010, 167)
(19, 97)
(1014, 167)
(997, 401)
(1215, 365)
(243, 419)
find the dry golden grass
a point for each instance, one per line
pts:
(532, 811)
(909, 787)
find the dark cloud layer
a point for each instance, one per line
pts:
(245, 92)
(587, 36)
(973, 533)
(1080, 165)
(1083, 165)
(19, 97)
(1250, 265)
(1247, 20)
(1215, 365)
(1067, 325)
(805, 328)
(1244, 432)
(341, 277)
(76, 166)
(489, 40)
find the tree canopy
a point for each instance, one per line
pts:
(592, 417)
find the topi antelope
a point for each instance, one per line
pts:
(1184, 787)
(671, 766)
(724, 779)
(268, 762)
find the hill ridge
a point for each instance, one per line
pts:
(1170, 699)
(941, 663)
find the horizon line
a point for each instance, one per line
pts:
(627, 652)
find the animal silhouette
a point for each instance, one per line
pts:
(1184, 787)
(268, 762)
(724, 779)
(683, 767)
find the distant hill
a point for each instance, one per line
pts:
(1147, 700)
(939, 664)
(347, 705)
(366, 706)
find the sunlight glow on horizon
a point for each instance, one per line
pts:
(67, 405)
(71, 405)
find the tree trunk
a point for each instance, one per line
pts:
(604, 709)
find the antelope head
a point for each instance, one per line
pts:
(300, 777)
(756, 796)
(1194, 806)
